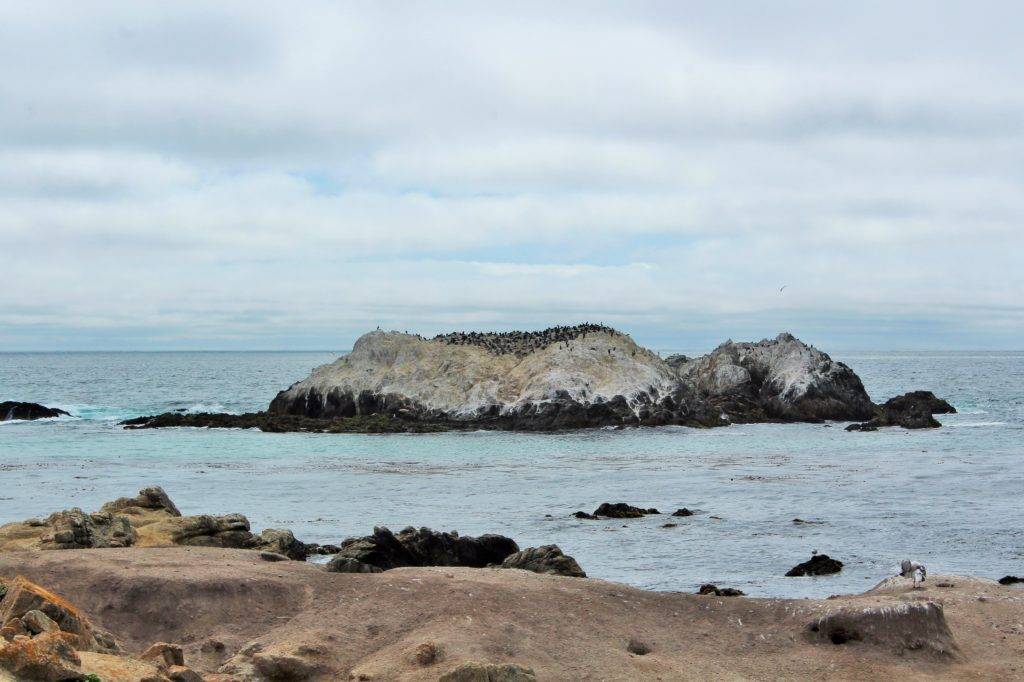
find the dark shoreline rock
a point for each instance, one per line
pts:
(717, 591)
(420, 547)
(819, 564)
(912, 410)
(1010, 580)
(11, 410)
(544, 559)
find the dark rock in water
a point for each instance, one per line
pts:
(682, 512)
(912, 410)
(1010, 580)
(621, 510)
(709, 588)
(288, 423)
(584, 515)
(804, 522)
(10, 410)
(819, 564)
(669, 525)
(425, 547)
(545, 559)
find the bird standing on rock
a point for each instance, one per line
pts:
(912, 569)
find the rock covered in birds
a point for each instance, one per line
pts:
(11, 410)
(819, 564)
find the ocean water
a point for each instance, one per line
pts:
(952, 497)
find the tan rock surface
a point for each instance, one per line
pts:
(293, 616)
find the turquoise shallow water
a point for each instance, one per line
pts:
(950, 497)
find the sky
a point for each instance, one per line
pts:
(240, 175)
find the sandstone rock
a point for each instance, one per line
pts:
(149, 499)
(10, 410)
(74, 529)
(898, 627)
(164, 653)
(283, 667)
(422, 547)
(24, 597)
(819, 564)
(48, 657)
(180, 673)
(545, 559)
(489, 672)
(38, 622)
(282, 542)
(621, 510)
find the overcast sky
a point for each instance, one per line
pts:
(239, 175)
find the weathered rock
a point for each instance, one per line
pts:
(151, 499)
(49, 657)
(273, 556)
(912, 410)
(10, 410)
(24, 597)
(544, 559)
(777, 379)
(621, 510)
(423, 547)
(489, 672)
(819, 564)
(283, 667)
(283, 542)
(899, 627)
(584, 515)
(345, 564)
(682, 512)
(38, 622)
(709, 588)
(164, 653)
(181, 673)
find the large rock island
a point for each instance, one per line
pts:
(560, 378)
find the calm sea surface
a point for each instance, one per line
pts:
(952, 498)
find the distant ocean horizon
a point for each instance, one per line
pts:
(948, 497)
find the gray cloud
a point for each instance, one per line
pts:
(180, 174)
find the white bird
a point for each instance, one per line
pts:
(912, 569)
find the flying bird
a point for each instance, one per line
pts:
(912, 569)
(782, 287)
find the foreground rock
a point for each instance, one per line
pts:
(545, 559)
(149, 519)
(385, 550)
(819, 564)
(912, 410)
(897, 627)
(236, 617)
(10, 410)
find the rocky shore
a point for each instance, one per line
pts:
(201, 613)
(563, 378)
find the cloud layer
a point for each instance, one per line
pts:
(181, 175)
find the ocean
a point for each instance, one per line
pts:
(949, 497)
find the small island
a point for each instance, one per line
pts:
(565, 377)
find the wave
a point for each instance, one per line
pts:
(975, 424)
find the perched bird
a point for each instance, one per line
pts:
(912, 569)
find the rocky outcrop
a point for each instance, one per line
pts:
(919, 626)
(489, 672)
(385, 550)
(10, 410)
(149, 519)
(559, 378)
(912, 410)
(711, 589)
(778, 379)
(545, 559)
(819, 564)
(621, 510)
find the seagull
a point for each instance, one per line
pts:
(782, 287)
(912, 569)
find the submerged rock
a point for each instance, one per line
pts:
(420, 547)
(682, 512)
(819, 564)
(621, 510)
(1010, 580)
(10, 410)
(544, 559)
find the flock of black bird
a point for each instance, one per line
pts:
(522, 343)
